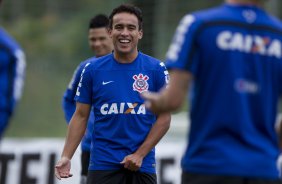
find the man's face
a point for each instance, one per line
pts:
(100, 41)
(125, 33)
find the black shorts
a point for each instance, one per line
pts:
(122, 176)
(85, 158)
(190, 178)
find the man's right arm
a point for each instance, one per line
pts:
(76, 130)
(68, 102)
(170, 98)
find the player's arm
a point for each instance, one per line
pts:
(172, 97)
(76, 130)
(68, 102)
(183, 61)
(134, 161)
(19, 63)
(68, 107)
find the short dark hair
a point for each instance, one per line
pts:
(128, 8)
(99, 21)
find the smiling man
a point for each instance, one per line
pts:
(125, 132)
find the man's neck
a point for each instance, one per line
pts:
(125, 58)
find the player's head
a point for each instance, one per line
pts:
(128, 8)
(99, 39)
(126, 28)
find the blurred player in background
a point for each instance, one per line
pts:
(125, 132)
(233, 55)
(101, 44)
(12, 73)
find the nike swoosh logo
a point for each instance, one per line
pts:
(104, 83)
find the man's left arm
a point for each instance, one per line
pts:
(134, 161)
(19, 76)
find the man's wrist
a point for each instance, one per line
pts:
(63, 157)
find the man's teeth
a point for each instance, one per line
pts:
(124, 41)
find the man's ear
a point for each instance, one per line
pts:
(140, 34)
(110, 32)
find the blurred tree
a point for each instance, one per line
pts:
(148, 8)
(275, 7)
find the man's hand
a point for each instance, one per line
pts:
(62, 168)
(151, 101)
(169, 99)
(132, 162)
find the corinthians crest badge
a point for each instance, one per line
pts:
(140, 83)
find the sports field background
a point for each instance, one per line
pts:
(54, 36)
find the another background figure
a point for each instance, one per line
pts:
(232, 53)
(12, 73)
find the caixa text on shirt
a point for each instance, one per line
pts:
(123, 108)
(266, 46)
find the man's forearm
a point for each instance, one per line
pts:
(76, 130)
(171, 98)
(158, 130)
